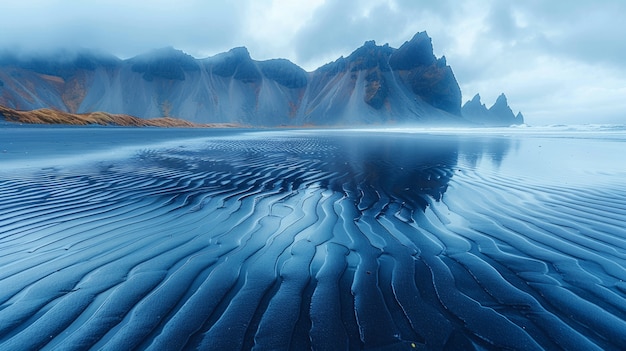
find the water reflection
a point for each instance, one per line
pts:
(401, 167)
(493, 148)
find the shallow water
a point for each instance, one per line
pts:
(116, 238)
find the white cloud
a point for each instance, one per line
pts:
(272, 24)
(125, 28)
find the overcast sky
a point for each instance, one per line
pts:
(559, 62)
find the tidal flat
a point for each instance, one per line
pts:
(231, 239)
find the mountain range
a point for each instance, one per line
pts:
(500, 114)
(373, 85)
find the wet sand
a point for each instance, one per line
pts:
(312, 239)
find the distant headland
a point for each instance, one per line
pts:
(51, 116)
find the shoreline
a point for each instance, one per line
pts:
(49, 117)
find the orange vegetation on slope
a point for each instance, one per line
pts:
(50, 116)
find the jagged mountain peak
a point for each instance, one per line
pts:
(233, 56)
(501, 100)
(430, 78)
(413, 53)
(370, 56)
(441, 62)
(476, 100)
(235, 63)
(501, 107)
(374, 84)
(240, 53)
(499, 114)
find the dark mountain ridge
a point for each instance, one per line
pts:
(498, 115)
(373, 85)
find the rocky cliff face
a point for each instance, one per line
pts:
(373, 85)
(429, 78)
(380, 84)
(498, 115)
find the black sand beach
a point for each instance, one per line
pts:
(116, 238)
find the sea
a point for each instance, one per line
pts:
(400, 238)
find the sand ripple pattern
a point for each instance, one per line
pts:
(330, 243)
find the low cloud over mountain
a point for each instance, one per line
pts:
(373, 85)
